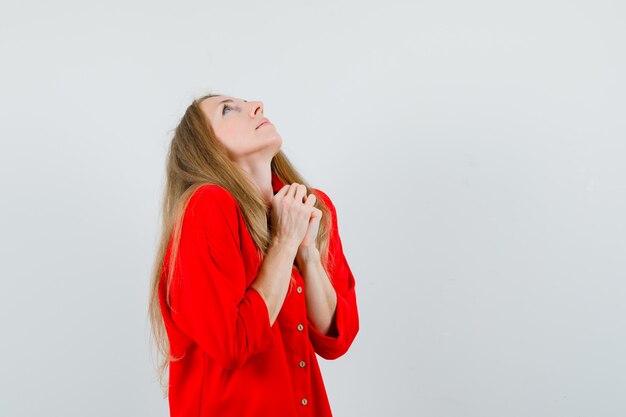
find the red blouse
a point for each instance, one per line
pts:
(235, 363)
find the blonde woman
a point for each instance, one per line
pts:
(250, 281)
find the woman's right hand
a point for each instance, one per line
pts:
(290, 214)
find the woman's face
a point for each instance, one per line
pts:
(238, 124)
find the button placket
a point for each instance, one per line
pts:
(302, 364)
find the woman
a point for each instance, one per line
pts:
(250, 281)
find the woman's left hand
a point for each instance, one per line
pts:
(307, 251)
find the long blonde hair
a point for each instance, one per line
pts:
(195, 158)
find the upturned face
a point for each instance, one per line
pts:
(242, 127)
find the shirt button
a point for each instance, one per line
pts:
(302, 364)
(299, 289)
(304, 401)
(300, 327)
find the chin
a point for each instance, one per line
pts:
(280, 145)
(278, 142)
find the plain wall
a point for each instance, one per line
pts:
(475, 151)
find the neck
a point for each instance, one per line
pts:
(261, 176)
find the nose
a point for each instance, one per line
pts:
(255, 106)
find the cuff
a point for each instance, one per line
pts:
(331, 346)
(255, 316)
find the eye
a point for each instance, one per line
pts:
(226, 106)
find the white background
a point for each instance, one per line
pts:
(475, 151)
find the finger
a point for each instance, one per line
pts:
(310, 200)
(317, 213)
(283, 191)
(301, 193)
(292, 190)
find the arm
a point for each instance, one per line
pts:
(274, 276)
(333, 319)
(210, 301)
(321, 297)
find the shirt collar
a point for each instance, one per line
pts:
(277, 184)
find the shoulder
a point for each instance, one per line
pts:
(210, 202)
(211, 195)
(324, 196)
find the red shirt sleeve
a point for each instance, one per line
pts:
(346, 315)
(210, 300)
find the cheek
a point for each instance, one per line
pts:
(228, 133)
(233, 135)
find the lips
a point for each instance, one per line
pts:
(263, 122)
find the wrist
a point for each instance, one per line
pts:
(308, 256)
(285, 246)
